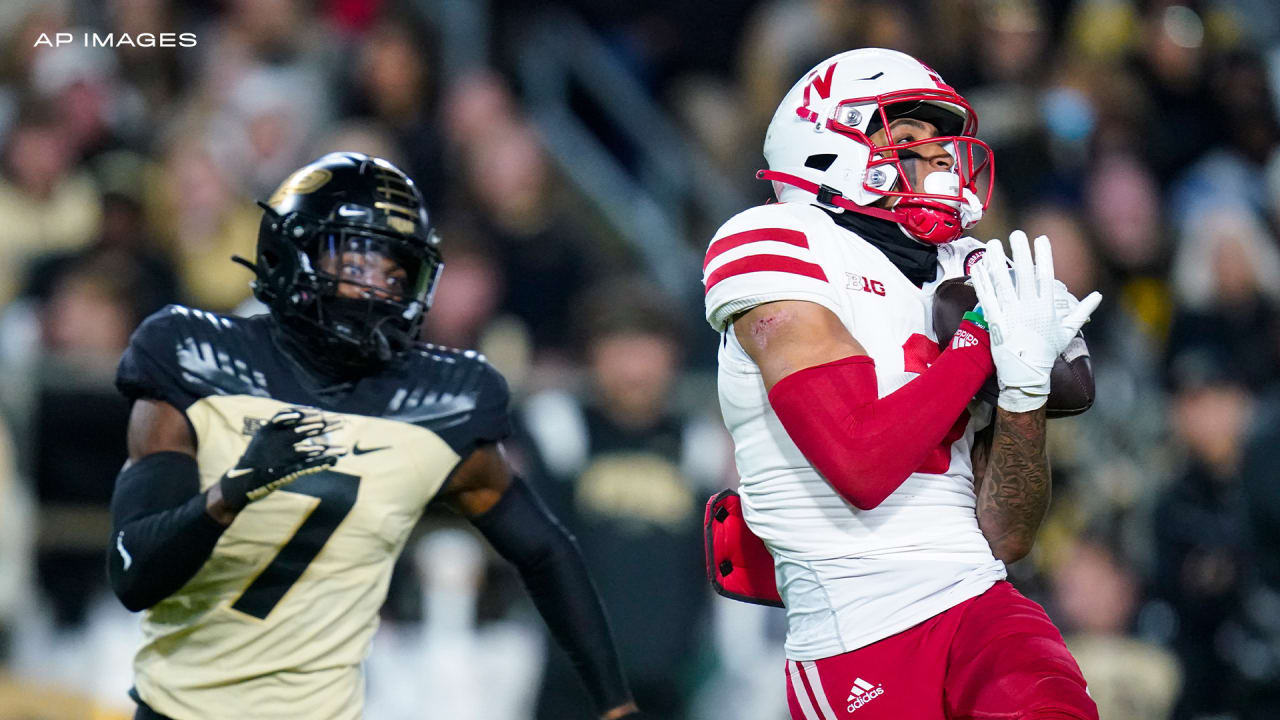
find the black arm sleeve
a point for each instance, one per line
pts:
(160, 532)
(522, 530)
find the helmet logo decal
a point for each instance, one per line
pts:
(936, 78)
(354, 211)
(301, 182)
(820, 83)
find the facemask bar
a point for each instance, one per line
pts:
(972, 158)
(369, 290)
(374, 266)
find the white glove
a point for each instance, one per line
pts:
(1027, 332)
(1064, 303)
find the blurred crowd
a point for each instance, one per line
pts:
(1141, 136)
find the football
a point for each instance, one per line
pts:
(1071, 387)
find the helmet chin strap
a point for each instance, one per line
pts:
(928, 221)
(388, 340)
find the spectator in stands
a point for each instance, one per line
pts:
(203, 217)
(1260, 621)
(393, 83)
(1096, 597)
(17, 537)
(46, 203)
(159, 75)
(1172, 66)
(125, 243)
(1245, 133)
(97, 111)
(1200, 529)
(1123, 206)
(1227, 279)
(628, 474)
(468, 295)
(78, 426)
(544, 251)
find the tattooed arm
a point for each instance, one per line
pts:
(1011, 480)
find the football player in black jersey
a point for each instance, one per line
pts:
(278, 463)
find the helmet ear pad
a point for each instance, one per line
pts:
(843, 167)
(849, 173)
(283, 266)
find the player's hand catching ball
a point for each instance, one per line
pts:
(289, 445)
(1027, 331)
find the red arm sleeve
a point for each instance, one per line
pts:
(866, 446)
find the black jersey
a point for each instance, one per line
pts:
(181, 355)
(277, 621)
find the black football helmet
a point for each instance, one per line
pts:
(347, 259)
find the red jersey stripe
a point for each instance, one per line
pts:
(765, 263)
(729, 242)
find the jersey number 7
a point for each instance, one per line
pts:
(337, 493)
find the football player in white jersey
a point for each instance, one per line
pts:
(855, 435)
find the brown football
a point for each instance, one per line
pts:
(1071, 382)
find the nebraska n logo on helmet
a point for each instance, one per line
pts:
(819, 143)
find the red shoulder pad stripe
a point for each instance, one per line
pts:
(729, 242)
(765, 263)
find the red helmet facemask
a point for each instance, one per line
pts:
(931, 212)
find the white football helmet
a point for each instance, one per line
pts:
(818, 143)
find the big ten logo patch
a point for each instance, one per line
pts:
(854, 281)
(252, 425)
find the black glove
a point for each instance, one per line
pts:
(281, 451)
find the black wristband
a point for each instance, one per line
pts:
(522, 530)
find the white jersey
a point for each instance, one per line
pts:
(848, 577)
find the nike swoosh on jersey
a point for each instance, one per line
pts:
(357, 450)
(124, 554)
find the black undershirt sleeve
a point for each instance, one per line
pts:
(522, 531)
(160, 532)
